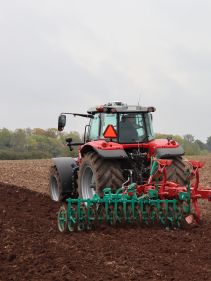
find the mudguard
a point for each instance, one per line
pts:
(116, 152)
(65, 167)
(112, 154)
(169, 152)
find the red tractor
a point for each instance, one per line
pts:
(120, 150)
(119, 143)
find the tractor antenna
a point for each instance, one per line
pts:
(139, 99)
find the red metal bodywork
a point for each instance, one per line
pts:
(110, 145)
(171, 190)
(151, 145)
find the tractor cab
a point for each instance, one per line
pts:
(117, 122)
(121, 123)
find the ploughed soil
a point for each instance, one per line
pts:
(31, 247)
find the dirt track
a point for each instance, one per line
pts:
(32, 249)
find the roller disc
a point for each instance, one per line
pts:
(82, 218)
(163, 215)
(119, 215)
(92, 217)
(154, 215)
(111, 215)
(62, 218)
(138, 215)
(101, 216)
(147, 215)
(72, 218)
(171, 216)
(129, 214)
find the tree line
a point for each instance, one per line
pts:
(38, 143)
(35, 143)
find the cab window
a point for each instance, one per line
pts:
(94, 127)
(108, 119)
(150, 131)
(131, 128)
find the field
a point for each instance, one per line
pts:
(31, 247)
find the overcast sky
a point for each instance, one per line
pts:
(70, 55)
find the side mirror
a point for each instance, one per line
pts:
(61, 122)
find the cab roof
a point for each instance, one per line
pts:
(119, 107)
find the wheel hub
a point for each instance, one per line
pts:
(88, 184)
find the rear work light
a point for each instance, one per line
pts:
(151, 109)
(106, 109)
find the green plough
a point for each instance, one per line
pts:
(122, 207)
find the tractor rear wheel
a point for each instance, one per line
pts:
(96, 173)
(176, 171)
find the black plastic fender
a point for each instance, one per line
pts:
(169, 152)
(111, 154)
(62, 178)
(105, 153)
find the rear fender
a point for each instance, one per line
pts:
(108, 152)
(65, 167)
(169, 152)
